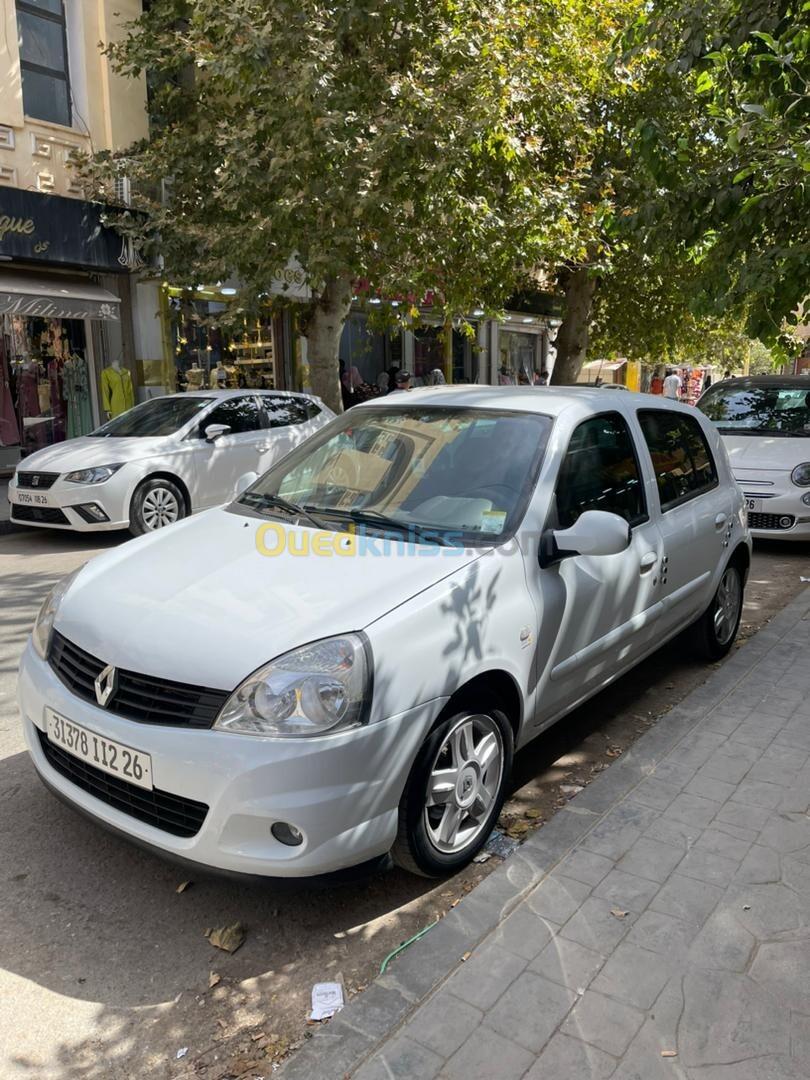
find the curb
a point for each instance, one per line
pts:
(341, 1046)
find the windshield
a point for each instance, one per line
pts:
(160, 416)
(777, 410)
(463, 471)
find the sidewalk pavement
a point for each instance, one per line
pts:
(657, 927)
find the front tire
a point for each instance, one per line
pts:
(717, 627)
(454, 793)
(155, 504)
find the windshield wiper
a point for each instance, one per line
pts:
(259, 501)
(382, 521)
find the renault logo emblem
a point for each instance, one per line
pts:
(105, 684)
(34, 481)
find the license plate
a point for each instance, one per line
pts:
(753, 506)
(30, 498)
(111, 757)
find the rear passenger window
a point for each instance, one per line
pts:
(682, 461)
(600, 472)
(282, 411)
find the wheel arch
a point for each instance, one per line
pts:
(165, 474)
(741, 558)
(495, 685)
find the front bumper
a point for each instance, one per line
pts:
(341, 791)
(56, 506)
(780, 513)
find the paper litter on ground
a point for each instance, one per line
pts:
(327, 999)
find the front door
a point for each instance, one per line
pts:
(599, 612)
(219, 464)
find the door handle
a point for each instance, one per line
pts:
(720, 522)
(648, 561)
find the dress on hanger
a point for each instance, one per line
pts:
(77, 396)
(57, 401)
(28, 404)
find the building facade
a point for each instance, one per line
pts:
(69, 303)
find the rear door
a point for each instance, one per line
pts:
(697, 512)
(289, 420)
(599, 613)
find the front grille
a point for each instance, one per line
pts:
(771, 521)
(45, 515)
(171, 813)
(39, 480)
(137, 697)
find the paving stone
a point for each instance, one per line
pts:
(717, 842)
(443, 1023)
(695, 751)
(783, 968)
(786, 835)
(692, 810)
(679, 775)
(749, 817)
(603, 1022)
(674, 833)
(723, 766)
(796, 874)
(687, 898)
(723, 722)
(594, 927)
(765, 910)
(749, 835)
(705, 867)
(627, 890)
(772, 772)
(619, 830)
(758, 793)
(332, 1050)
(796, 798)
(570, 1059)
(728, 1018)
(485, 976)
(485, 1055)
(791, 759)
(585, 866)
(531, 1009)
(758, 733)
(760, 866)
(633, 975)
(654, 792)
(797, 735)
(643, 1059)
(403, 1059)
(756, 1068)
(651, 859)
(557, 898)
(722, 944)
(568, 963)
(709, 787)
(524, 932)
(662, 933)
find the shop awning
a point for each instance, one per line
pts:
(56, 298)
(600, 365)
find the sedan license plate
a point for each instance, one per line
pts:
(31, 499)
(753, 506)
(111, 757)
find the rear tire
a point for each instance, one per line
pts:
(454, 793)
(155, 504)
(716, 629)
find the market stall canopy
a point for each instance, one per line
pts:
(56, 298)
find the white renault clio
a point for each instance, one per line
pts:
(162, 460)
(342, 662)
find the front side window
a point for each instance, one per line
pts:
(160, 416)
(465, 471)
(241, 414)
(600, 472)
(759, 410)
(682, 461)
(42, 41)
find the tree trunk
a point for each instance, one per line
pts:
(571, 342)
(322, 329)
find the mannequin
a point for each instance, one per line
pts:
(117, 392)
(218, 379)
(195, 377)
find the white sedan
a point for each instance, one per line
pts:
(342, 662)
(162, 460)
(765, 424)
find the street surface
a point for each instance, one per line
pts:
(109, 965)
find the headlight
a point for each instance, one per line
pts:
(801, 474)
(92, 476)
(43, 627)
(319, 688)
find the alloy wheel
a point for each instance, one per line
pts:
(727, 610)
(160, 507)
(463, 783)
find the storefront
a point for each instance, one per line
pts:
(62, 344)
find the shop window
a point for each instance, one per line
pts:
(42, 37)
(241, 414)
(517, 353)
(682, 460)
(600, 472)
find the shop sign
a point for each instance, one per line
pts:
(50, 307)
(37, 228)
(290, 280)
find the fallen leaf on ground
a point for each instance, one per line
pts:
(614, 751)
(183, 886)
(534, 814)
(213, 979)
(228, 938)
(466, 956)
(257, 1035)
(618, 913)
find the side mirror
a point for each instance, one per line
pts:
(245, 480)
(596, 532)
(216, 431)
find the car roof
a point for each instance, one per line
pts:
(787, 382)
(218, 395)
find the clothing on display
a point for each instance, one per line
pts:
(77, 396)
(117, 391)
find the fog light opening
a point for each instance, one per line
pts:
(286, 833)
(806, 498)
(785, 521)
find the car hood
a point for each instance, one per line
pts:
(88, 451)
(751, 452)
(197, 602)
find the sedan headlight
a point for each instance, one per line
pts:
(43, 627)
(92, 476)
(319, 688)
(801, 474)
